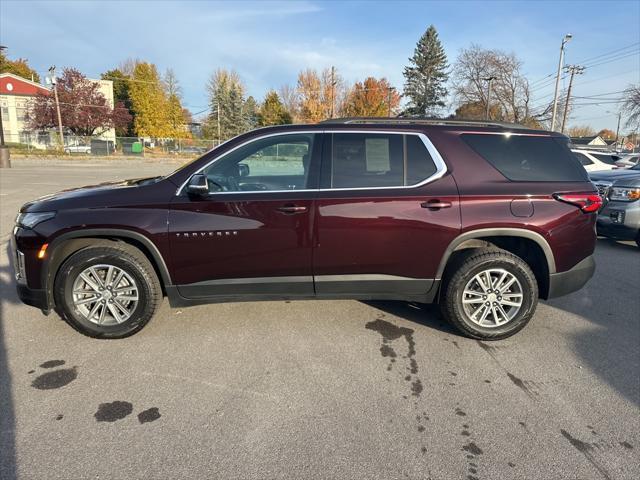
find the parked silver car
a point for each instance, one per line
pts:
(619, 217)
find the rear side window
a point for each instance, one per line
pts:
(583, 159)
(528, 158)
(606, 158)
(370, 160)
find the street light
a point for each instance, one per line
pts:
(488, 80)
(565, 40)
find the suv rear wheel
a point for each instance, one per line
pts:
(107, 291)
(491, 294)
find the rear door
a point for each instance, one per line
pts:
(386, 212)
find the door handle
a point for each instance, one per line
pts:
(291, 209)
(435, 204)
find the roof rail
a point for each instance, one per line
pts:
(423, 121)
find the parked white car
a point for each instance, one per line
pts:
(590, 162)
(77, 149)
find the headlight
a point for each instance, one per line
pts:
(625, 194)
(30, 220)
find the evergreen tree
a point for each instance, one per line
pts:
(227, 106)
(426, 75)
(273, 111)
(251, 113)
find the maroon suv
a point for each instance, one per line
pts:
(483, 218)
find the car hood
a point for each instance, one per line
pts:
(91, 196)
(613, 175)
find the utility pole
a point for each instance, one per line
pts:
(333, 90)
(572, 70)
(389, 91)
(489, 80)
(54, 81)
(5, 159)
(618, 130)
(566, 39)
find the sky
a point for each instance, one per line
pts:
(268, 43)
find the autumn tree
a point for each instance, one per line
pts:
(227, 114)
(272, 111)
(19, 67)
(289, 98)
(149, 102)
(477, 111)
(320, 95)
(510, 88)
(607, 134)
(372, 98)
(121, 83)
(631, 106)
(175, 110)
(83, 108)
(426, 75)
(581, 131)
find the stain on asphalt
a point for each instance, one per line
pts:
(391, 333)
(587, 450)
(52, 363)
(520, 384)
(487, 381)
(511, 464)
(453, 374)
(626, 445)
(416, 388)
(149, 415)
(55, 379)
(59, 417)
(472, 448)
(110, 412)
(31, 371)
(460, 413)
(465, 433)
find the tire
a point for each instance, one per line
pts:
(463, 276)
(138, 290)
(638, 239)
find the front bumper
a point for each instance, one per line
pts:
(34, 297)
(567, 282)
(619, 220)
(31, 296)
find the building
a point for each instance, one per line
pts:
(16, 94)
(590, 141)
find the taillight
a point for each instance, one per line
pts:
(587, 201)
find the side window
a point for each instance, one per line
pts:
(272, 163)
(583, 159)
(370, 160)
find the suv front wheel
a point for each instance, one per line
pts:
(491, 294)
(107, 291)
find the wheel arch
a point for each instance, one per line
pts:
(70, 242)
(515, 240)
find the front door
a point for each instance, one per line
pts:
(385, 214)
(250, 237)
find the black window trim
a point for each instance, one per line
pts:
(441, 166)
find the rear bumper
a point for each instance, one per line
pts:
(567, 282)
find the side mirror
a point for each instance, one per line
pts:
(198, 185)
(243, 170)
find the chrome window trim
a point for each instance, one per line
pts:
(441, 166)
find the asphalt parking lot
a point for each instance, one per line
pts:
(317, 389)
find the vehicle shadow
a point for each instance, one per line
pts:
(610, 301)
(8, 296)
(424, 314)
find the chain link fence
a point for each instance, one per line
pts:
(48, 143)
